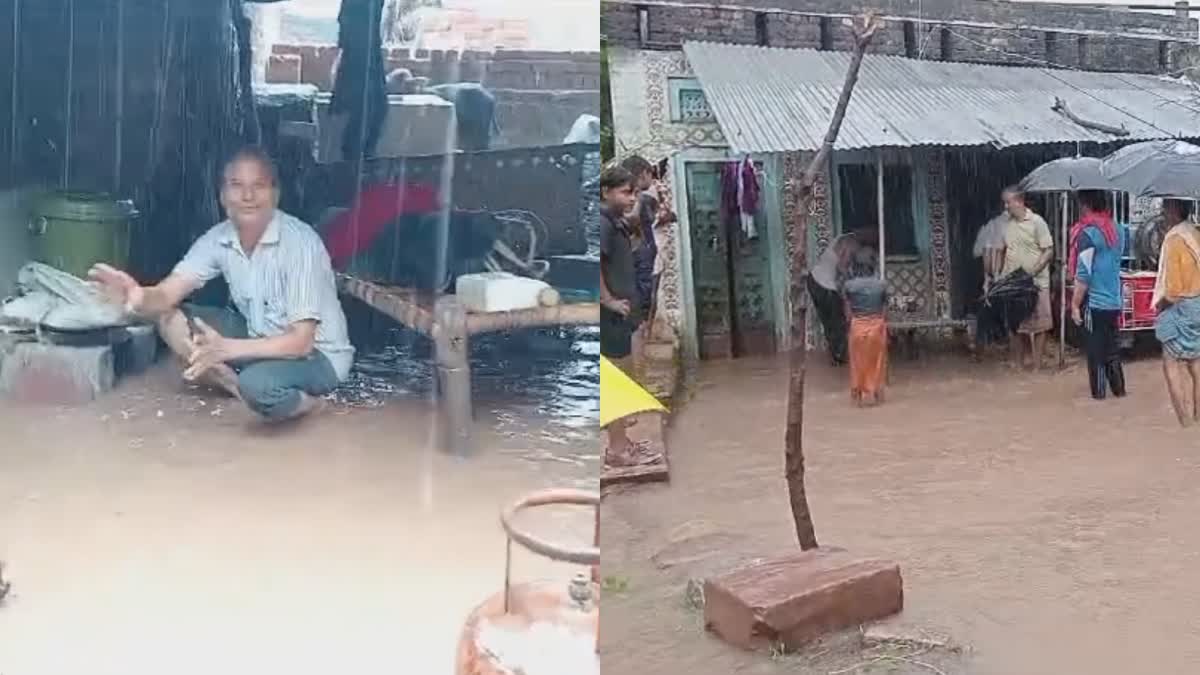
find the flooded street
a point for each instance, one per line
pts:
(160, 531)
(1049, 533)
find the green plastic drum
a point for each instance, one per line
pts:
(74, 230)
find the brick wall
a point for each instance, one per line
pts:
(1062, 16)
(672, 25)
(793, 29)
(976, 31)
(1015, 47)
(529, 70)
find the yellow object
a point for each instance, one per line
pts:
(1179, 265)
(621, 397)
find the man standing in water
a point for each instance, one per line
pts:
(1177, 299)
(1097, 243)
(285, 343)
(1028, 245)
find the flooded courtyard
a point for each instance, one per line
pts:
(162, 530)
(1042, 531)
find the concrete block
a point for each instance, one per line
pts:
(39, 373)
(138, 353)
(796, 598)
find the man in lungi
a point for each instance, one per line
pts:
(1177, 299)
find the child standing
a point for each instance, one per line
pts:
(620, 309)
(866, 304)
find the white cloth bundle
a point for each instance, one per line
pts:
(55, 299)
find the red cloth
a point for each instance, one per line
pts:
(376, 207)
(1101, 220)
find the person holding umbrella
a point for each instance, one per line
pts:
(1096, 245)
(1177, 299)
(1029, 246)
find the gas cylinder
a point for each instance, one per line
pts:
(543, 627)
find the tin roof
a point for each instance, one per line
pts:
(778, 100)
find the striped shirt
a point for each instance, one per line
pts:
(287, 278)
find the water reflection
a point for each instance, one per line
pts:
(552, 373)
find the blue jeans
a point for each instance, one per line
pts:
(270, 387)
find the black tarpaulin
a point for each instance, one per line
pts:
(361, 87)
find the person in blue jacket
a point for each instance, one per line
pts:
(1097, 244)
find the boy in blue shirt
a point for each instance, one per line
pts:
(1097, 244)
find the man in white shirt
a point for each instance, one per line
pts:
(284, 343)
(989, 246)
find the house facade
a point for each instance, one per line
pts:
(933, 133)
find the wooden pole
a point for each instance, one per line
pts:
(452, 357)
(573, 314)
(412, 310)
(864, 30)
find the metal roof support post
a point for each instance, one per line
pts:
(879, 215)
(1062, 319)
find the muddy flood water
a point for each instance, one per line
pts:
(1047, 533)
(163, 531)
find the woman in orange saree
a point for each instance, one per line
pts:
(865, 295)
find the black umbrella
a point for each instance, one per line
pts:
(1067, 173)
(1155, 169)
(1005, 304)
(1016, 284)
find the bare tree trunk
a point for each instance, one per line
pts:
(864, 30)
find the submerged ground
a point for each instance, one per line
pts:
(161, 531)
(1048, 533)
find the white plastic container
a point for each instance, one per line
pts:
(501, 292)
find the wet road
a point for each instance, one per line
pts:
(1049, 533)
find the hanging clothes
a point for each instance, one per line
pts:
(740, 191)
(748, 197)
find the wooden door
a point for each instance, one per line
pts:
(710, 261)
(730, 273)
